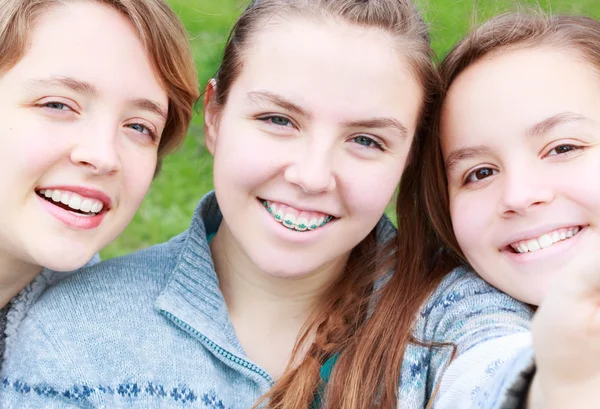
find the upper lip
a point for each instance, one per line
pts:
(537, 232)
(301, 208)
(85, 192)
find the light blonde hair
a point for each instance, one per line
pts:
(159, 29)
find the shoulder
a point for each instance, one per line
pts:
(464, 304)
(115, 277)
(385, 230)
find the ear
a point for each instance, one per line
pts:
(212, 111)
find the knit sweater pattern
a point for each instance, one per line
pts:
(151, 330)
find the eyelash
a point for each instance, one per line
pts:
(467, 180)
(48, 104)
(151, 133)
(269, 120)
(373, 144)
(572, 148)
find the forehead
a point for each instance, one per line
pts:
(510, 91)
(330, 64)
(89, 41)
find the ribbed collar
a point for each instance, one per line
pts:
(193, 296)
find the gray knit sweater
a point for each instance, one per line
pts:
(3, 313)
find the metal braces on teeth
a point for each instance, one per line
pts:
(291, 225)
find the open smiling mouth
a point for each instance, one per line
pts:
(72, 202)
(544, 241)
(296, 220)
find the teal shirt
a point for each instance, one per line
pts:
(152, 330)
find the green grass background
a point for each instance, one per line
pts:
(187, 175)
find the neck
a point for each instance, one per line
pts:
(267, 312)
(14, 276)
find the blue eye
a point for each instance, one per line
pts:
(277, 120)
(56, 106)
(140, 128)
(367, 142)
(144, 130)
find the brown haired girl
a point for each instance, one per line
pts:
(515, 149)
(92, 96)
(270, 293)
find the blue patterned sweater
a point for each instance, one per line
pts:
(151, 330)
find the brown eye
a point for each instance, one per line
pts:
(480, 174)
(562, 149)
(483, 173)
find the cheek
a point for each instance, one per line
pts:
(247, 157)
(138, 172)
(470, 216)
(368, 187)
(28, 152)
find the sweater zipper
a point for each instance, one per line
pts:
(218, 350)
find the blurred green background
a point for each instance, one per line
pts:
(187, 175)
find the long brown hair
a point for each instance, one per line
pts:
(369, 348)
(159, 29)
(525, 29)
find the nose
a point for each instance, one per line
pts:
(523, 191)
(312, 169)
(97, 151)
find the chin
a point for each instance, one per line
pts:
(288, 268)
(64, 261)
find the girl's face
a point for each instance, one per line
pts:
(311, 143)
(521, 143)
(78, 115)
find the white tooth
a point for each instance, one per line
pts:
(569, 233)
(545, 241)
(555, 236)
(272, 206)
(64, 199)
(278, 216)
(56, 196)
(563, 235)
(48, 193)
(533, 245)
(320, 221)
(86, 205)
(301, 222)
(523, 248)
(42, 191)
(289, 221)
(312, 223)
(75, 202)
(97, 207)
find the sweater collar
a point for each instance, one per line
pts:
(193, 297)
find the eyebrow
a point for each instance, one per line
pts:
(66, 82)
(147, 105)
(383, 122)
(554, 121)
(266, 96)
(380, 123)
(85, 87)
(465, 153)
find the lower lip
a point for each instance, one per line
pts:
(554, 250)
(70, 219)
(290, 235)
